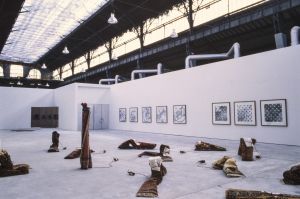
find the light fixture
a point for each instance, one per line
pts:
(66, 51)
(19, 83)
(47, 85)
(44, 66)
(112, 19)
(114, 57)
(174, 34)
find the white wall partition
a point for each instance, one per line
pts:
(64, 98)
(265, 76)
(16, 103)
(270, 75)
(90, 94)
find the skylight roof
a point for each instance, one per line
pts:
(42, 24)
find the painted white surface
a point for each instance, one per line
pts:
(270, 75)
(90, 94)
(16, 103)
(64, 98)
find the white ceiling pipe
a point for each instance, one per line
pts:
(101, 81)
(234, 49)
(115, 80)
(157, 71)
(295, 35)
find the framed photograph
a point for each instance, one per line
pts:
(122, 114)
(221, 113)
(133, 114)
(244, 113)
(179, 114)
(161, 114)
(146, 114)
(273, 112)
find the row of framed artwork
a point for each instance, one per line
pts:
(273, 113)
(179, 114)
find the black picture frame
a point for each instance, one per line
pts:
(131, 111)
(166, 118)
(125, 118)
(253, 113)
(216, 121)
(179, 117)
(266, 118)
(145, 120)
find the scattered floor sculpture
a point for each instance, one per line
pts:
(292, 176)
(55, 142)
(149, 188)
(132, 144)
(164, 151)
(204, 146)
(75, 154)
(85, 155)
(228, 165)
(246, 149)
(8, 169)
(249, 194)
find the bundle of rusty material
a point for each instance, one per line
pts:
(249, 194)
(292, 176)
(204, 146)
(55, 142)
(246, 149)
(85, 155)
(132, 144)
(228, 165)
(149, 188)
(76, 154)
(8, 169)
(164, 151)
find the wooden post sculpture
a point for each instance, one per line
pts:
(85, 156)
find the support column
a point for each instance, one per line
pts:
(72, 66)
(45, 74)
(60, 73)
(88, 60)
(6, 70)
(26, 70)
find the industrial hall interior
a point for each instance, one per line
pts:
(170, 99)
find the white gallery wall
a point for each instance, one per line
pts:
(64, 98)
(270, 75)
(265, 76)
(90, 94)
(16, 103)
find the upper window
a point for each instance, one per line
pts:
(1, 72)
(34, 74)
(16, 70)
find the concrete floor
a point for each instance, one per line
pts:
(53, 177)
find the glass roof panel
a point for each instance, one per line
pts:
(42, 24)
